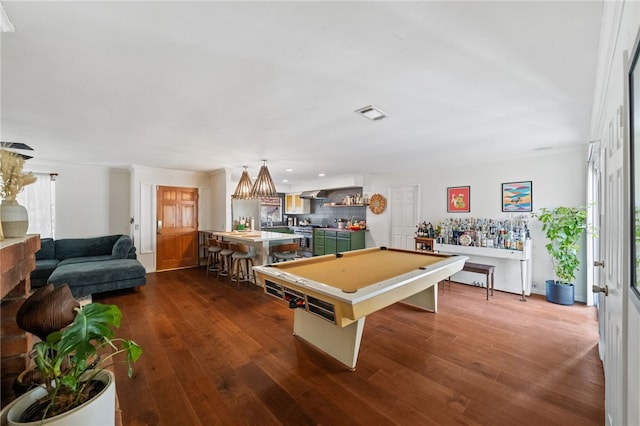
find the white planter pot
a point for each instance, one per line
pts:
(99, 411)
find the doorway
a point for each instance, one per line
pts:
(176, 228)
(404, 216)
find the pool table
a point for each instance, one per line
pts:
(332, 294)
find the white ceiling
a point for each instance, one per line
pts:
(207, 85)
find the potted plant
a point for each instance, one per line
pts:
(563, 227)
(14, 220)
(71, 387)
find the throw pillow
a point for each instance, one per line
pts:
(121, 247)
(47, 249)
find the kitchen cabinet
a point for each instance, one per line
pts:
(343, 242)
(333, 241)
(330, 246)
(293, 204)
(318, 242)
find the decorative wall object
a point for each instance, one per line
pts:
(377, 203)
(517, 196)
(459, 199)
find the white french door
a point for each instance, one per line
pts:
(611, 306)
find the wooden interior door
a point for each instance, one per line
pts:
(176, 228)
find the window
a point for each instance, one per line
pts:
(39, 199)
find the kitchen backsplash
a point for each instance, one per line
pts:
(325, 215)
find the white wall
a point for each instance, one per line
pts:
(558, 179)
(90, 201)
(221, 189)
(119, 201)
(144, 181)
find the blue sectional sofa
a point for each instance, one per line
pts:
(89, 265)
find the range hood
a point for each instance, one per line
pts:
(320, 193)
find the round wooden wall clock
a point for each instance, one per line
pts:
(377, 203)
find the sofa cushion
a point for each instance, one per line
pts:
(47, 249)
(71, 260)
(44, 268)
(90, 273)
(121, 247)
(132, 253)
(81, 247)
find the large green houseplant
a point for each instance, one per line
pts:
(65, 361)
(563, 227)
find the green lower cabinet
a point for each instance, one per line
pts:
(331, 242)
(330, 246)
(348, 241)
(343, 244)
(318, 242)
(357, 240)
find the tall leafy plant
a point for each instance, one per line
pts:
(65, 357)
(563, 227)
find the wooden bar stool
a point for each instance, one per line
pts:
(242, 252)
(212, 255)
(225, 267)
(284, 252)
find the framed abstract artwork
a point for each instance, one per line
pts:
(459, 199)
(517, 196)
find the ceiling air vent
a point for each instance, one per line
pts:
(372, 112)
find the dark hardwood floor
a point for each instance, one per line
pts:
(217, 355)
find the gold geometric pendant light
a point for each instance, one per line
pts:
(243, 190)
(264, 186)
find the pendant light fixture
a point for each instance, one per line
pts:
(243, 190)
(264, 186)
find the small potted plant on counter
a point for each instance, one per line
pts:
(563, 227)
(73, 392)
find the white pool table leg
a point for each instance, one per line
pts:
(341, 343)
(427, 299)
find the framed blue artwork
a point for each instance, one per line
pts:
(517, 196)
